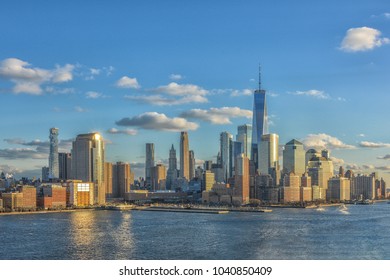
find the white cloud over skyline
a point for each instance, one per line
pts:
(362, 39)
(157, 121)
(324, 141)
(127, 82)
(217, 115)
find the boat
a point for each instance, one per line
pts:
(343, 207)
(320, 208)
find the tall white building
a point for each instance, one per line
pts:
(184, 156)
(268, 153)
(88, 163)
(149, 162)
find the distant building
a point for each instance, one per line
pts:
(45, 174)
(208, 180)
(184, 156)
(241, 180)
(363, 187)
(158, 176)
(88, 163)
(53, 154)
(244, 136)
(291, 191)
(320, 169)
(268, 152)
(191, 164)
(65, 166)
(80, 193)
(294, 158)
(172, 172)
(226, 147)
(110, 191)
(149, 162)
(339, 189)
(122, 178)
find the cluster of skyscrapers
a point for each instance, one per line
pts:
(246, 169)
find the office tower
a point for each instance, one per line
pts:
(184, 156)
(363, 187)
(325, 154)
(259, 120)
(236, 150)
(341, 171)
(311, 153)
(291, 188)
(191, 157)
(294, 158)
(88, 163)
(320, 170)
(158, 176)
(306, 189)
(45, 174)
(149, 162)
(65, 165)
(207, 164)
(110, 191)
(226, 147)
(339, 189)
(268, 153)
(208, 180)
(172, 169)
(122, 178)
(241, 178)
(53, 154)
(244, 136)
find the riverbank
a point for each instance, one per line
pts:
(44, 211)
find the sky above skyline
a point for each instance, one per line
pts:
(142, 71)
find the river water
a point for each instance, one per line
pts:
(361, 232)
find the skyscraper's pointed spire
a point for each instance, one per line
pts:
(259, 76)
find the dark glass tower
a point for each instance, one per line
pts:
(259, 121)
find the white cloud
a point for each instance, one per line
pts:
(94, 95)
(361, 135)
(29, 79)
(181, 89)
(80, 109)
(22, 153)
(367, 144)
(312, 93)
(324, 141)
(122, 131)
(337, 161)
(127, 82)
(164, 101)
(362, 39)
(383, 168)
(244, 92)
(157, 121)
(175, 77)
(217, 115)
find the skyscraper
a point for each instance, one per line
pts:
(184, 156)
(65, 165)
(244, 136)
(88, 163)
(269, 156)
(53, 154)
(241, 178)
(191, 164)
(122, 178)
(172, 169)
(294, 158)
(149, 162)
(158, 174)
(259, 120)
(226, 147)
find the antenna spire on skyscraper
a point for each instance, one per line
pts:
(259, 76)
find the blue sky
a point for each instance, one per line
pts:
(141, 71)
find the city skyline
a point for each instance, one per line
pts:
(150, 80)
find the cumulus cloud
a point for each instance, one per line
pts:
(9, 169)
(175, 77)
(362, 39)
(156, 121)
(244, 92)
(29, 79)
(312, 93)
(39, 146)
(160, 100)
(22, 153)
(366, 144)
(324, 141)
(337, 161)
(383, 168)
(127, 82)
(122, 131)
(94, 95)
(79, 109)
(217, 115)
(181, 89)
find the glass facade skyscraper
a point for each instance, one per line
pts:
(259, 122)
